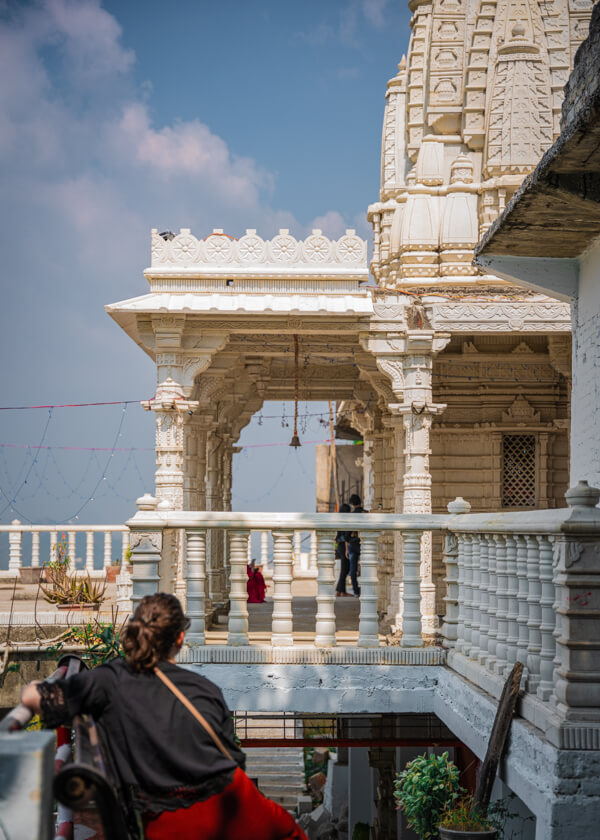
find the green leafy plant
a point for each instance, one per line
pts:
(427, 785)
(100, 642)
(466, 815)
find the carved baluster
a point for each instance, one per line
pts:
(325, 623)
(35, 549)
(264, 548)
(512, 604)
(196, 580)
(89, 551)
(455, 551)
(124, 546)
(298, 549)
(368, 625)
(484, 618)
(15, 539)
(534, 618)
(107, 549)
(238, 593)
(313, 550)
(411, 617)
(501, 606)
(492, 602)
(548, 647)
(465, 603)
(53, 544)
(475, 588)
(453, 626)
(522, 605)
(72, 548)
(124, 591)
(281, 635)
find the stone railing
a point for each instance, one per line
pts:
(198, 527)
(525, 587)
(32, 546)
(519, 587)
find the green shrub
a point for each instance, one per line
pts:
(428, 785)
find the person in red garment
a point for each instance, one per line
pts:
(169, 736)
(256, 585)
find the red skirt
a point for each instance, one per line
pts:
(240, 812)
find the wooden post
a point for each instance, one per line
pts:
(500, 730)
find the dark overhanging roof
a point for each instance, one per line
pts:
(556, 211)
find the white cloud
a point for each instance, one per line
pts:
(331, 223)
(374, 11)
(345, 27)
(187, 148)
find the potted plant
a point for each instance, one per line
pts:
(428, 785)
(67, 590)
(464, 820)
(113, 570)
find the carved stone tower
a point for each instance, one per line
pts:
(468, 115)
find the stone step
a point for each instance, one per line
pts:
(270, 768)
(279, 772)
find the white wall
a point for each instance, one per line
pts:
(585, 433)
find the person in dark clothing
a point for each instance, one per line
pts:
(183, 778)
(341, 553)
(354, 546)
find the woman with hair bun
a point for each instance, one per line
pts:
(168, 734)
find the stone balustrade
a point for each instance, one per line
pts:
(286, 529)
(519, 587)
(33, 546)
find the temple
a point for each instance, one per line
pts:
(456, 377)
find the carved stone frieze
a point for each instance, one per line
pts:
(497, 316)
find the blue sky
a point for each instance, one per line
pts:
(117, 117)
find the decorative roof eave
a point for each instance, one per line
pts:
(239, 309)
(242, 303)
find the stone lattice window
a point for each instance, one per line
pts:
(518, 471)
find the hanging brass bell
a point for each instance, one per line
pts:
(295, 441)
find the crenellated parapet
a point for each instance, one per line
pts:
(221, 256)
